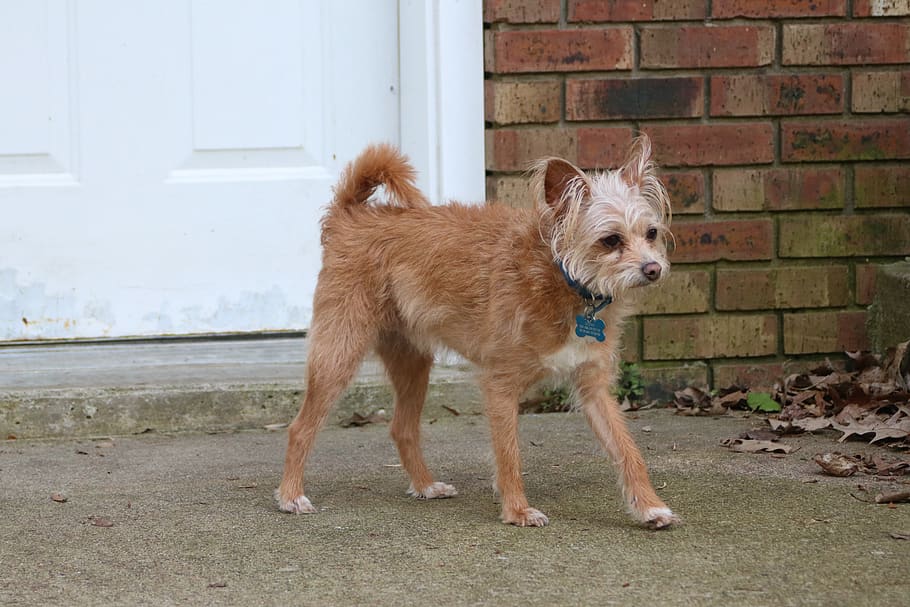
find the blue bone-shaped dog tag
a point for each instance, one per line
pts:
(589, 327)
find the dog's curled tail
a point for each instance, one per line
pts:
(379, 165)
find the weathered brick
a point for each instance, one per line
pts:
(878, 92)
(522, 102)
(776, 288)
(728, 240)
(712, 144)
(686, 190)
(865, 283)
(767, 9)
(510, 190)
(517, 149)
(634, 98)
(518, 51)
(521, 11)
(777, 95)
(851, 43)
(599, 11)
(881, 186)
(881, 8)
(680, 292)
(709, 336)
(778, 189)
(755, 375)
(854, 140)
(631, 337)
(661, 380)
(707, 46)
(844, 236)
(603, 147)
(810, 332)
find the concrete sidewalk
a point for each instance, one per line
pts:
(193, 522)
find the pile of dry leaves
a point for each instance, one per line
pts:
(870, 401)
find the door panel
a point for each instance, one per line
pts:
(164, 169)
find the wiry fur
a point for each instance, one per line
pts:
(406, 277)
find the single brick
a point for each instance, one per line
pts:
(854, 140)
(811, 332)
(686, 190)
(631, 337)
(844, 236)
(662, 380)
(756, 375)
(881, 8)
(521, 11)
(510, 190)
(518, 51)
(775, 9)
(709, 336)
(517, 149)
(603, 147)
(881, 186)
(599, 11)
(680, 292)
(712, 144)
(707, 46)
(634, 98)
(729, 240)
(852, 43)
(865, 283)
(776, 288)
(878, 92)
(522, 102)
(777, 95)
(778, 189)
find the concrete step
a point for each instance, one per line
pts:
(118, 388)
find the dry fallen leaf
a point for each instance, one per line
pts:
(741, 445)
(837, 464)
(759, 435)
(357, 419)
(58, 497)
(900, 536)
(893, 498)
(100, 521)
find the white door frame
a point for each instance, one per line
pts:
(442, 122)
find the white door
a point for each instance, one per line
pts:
(163, 163)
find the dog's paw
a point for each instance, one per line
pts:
(435, 490)
(527, 517)
(299, 505)
(660, 518)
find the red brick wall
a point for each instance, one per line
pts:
(782, 128)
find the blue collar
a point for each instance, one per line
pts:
(596, 302)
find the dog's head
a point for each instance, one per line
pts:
(609, 229)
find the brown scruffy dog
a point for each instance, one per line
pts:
(522, 294)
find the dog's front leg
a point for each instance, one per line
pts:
(606, 419)
(501, 399)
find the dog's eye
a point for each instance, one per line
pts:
(612, 241)
(651, 234)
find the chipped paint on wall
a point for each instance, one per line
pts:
(29, 310)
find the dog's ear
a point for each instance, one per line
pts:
(640, 172)
(638, 166)
(556, 176)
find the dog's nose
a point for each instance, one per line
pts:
(651, 270)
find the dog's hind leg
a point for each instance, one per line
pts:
(342, 333)
(409, 372)
(501, 396)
